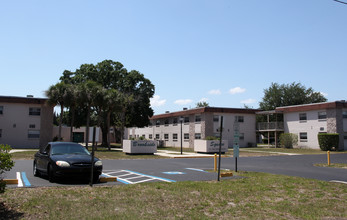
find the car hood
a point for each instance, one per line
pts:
(74, 158)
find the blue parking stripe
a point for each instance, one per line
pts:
(25, 179)
(160, 178)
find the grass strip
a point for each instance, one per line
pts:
(257, 196)
(334, 165)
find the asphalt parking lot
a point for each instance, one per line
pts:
(190, 169)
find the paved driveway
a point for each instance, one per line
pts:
(194, 169)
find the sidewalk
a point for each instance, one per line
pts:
(176, 154)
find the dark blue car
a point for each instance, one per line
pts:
(65, 159)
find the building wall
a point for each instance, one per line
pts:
(16, 123)
(206, 127)
(312, 126)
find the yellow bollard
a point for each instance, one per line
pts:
(215, 162)
(328, 157)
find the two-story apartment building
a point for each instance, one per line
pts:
(307, 121)
(25, 122)
(199, 123)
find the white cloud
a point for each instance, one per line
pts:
(214, 92)
(237, 90)
(156, 101)
(183, 101)
(324, 94)
(248, 101)
(203, 100)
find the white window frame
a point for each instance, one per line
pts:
(186, 136)
(33, 134)
(302, 136)
(301, 116)
(197, 119)
(197, 136)
(324, 114)
(166, 137)
(174, 137)
(34, 111)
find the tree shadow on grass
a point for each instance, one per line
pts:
(8, 213)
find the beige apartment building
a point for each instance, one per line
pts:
(199, 123)
(307, 121)
(25, 122)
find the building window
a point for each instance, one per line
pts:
(150, 136)
(198, 136)
(239, 119)
(32, 126)
(0, 133)
(1, 110)
(166, 137)
(175, 121)
(150, 124)
(174, 137)
(34, 111)
(303, 136)
(130, 137)
(344, 114)
(33, 134)
(302, 117)
(322, 115)
(197, 118)
(166, 122)
(216, 118)
(186, 136)
(344, 137)
(157, 123)
(242, 136)
(157, 136)
(186, 120)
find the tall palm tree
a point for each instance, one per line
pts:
(88, 94)
(72, 103)
(57, 95)
(112, 103)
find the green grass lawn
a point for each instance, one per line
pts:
(256, 196)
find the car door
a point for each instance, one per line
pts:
(43, 158)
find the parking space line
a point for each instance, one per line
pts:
(154, 177)
(338, 181)
(133, 176)
(25, 180)
(20, 182)
(200, 170)
(22, 179)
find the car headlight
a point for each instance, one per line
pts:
(62, 163)
(98, 163)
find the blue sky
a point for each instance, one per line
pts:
(225, 52)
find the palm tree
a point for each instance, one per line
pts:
(57, 95)
(112, 103)
(72, 102)
(88, 92)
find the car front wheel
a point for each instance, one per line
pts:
(35, 171)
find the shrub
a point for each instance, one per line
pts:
(5, 164)
(328, 141)
(288, 140)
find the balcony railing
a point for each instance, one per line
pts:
(270, 126)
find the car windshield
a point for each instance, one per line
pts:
(69, 149)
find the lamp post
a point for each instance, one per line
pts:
(181, 121)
